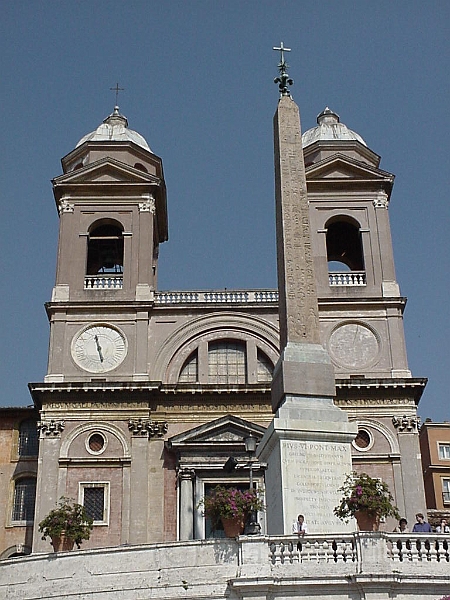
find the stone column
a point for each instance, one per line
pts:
(307, 445)
(48, 488)
(186, 516)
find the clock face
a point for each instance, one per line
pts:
(99, 348)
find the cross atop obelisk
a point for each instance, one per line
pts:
(283, 80)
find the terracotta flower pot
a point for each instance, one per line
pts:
(367, 522)
(62, 543)
(233, 526)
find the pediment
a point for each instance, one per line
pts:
(340, 166)
(106, 170)
(226, 431)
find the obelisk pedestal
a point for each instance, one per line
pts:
(307, 447)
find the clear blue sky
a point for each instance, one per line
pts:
(198, 78)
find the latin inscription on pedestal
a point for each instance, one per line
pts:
(312, 474)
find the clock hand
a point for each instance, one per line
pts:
(99, 348)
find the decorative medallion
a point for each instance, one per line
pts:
(353, 345)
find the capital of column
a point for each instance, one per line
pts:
(148, 204)
(139, 427)
(50, 428)
(381, 201)
(66, 207)
(186, 474)
(405, 423)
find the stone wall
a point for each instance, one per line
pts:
(376, 565)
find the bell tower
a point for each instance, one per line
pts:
(362, 309)
(95, 427)
(111, 199)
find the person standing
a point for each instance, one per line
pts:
(421, 526)
(402, 526)
(443, 527)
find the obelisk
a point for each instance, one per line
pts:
(307, 445)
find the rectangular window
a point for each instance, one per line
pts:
(444, 451)
(94, 496)
(24, 499)
(446, 491)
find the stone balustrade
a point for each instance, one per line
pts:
(381, 566)
(103, 282)
(218, 297)
(348, 278)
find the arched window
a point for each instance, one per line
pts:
(227, 362)
(105, 249)
(189, 371)
(24, 499)
(28, 438)
(141, 167)
(344, 247)
(265, 367)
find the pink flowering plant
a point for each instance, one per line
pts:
(228, 503)
(69, 519)
(366, 494)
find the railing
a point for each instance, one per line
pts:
(320, 549)
(217, 297)
(103, 282)
(348, 278)
(389, 548)
(410, 548)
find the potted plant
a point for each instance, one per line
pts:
(367, 499)
(232, 507)
(66, 525)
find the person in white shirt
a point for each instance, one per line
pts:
(299, 526)
(443, 527)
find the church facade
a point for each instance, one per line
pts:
(148, 393)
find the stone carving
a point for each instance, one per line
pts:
(148, 427)
(186, 474)
(148, 206)
(299, 313)
(381, 201)
(51, 427)
(158, 428)
(406, 423)
(66, 207)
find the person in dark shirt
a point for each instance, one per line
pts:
(421, 526)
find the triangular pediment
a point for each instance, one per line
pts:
(340, 166)
(106, 170)
(226, 431)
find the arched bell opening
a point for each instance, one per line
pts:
(105, 249)
(345, 254)
(104, 267)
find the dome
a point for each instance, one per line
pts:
(329, 129)
(115, 129)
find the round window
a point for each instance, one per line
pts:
(363, 440)
(96, 443)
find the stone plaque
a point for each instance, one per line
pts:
(312, 474)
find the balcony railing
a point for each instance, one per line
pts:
(217, 297)
(105, 281)
(348, 278)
